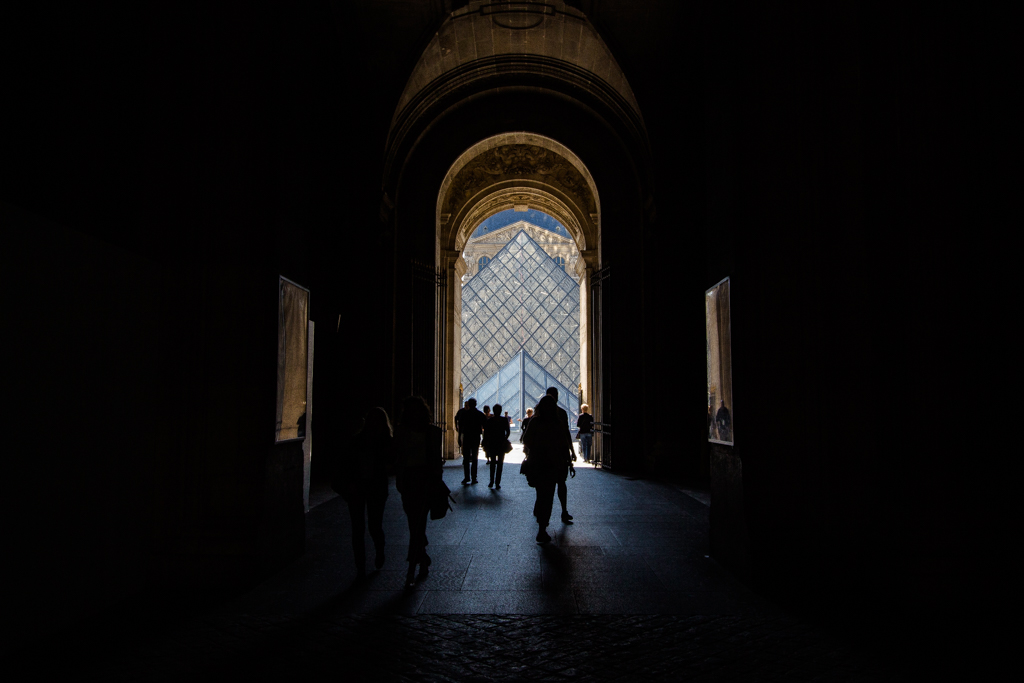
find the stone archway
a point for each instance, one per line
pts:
(508, 171)
(543, 68)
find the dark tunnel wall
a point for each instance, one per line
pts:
(169, 166)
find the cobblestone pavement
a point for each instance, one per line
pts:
(498, 648)
(626, 592)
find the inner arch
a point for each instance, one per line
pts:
(518, 169)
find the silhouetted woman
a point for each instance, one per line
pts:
(419, 459)
(495, 439)
(548, 461)
(365, 485)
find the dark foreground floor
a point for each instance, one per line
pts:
(627, 592)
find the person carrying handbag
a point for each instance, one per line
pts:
(496, 444)
(549, 461)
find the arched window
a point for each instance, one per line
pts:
(484, 260)
(559, 261)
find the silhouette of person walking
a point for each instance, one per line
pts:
(549, 459)
(496, 433)
(362, 480)
(419, 459)
(563, 492)
(469, 422)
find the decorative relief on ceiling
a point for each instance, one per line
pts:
(518, 162)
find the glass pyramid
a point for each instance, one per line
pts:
(519, 385)
(521, 301)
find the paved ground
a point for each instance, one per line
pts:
(627, 592)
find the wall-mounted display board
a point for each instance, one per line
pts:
(719, 345)
(292, 324)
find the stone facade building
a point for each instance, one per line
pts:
(481, 248)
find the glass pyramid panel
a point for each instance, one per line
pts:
(520, 300)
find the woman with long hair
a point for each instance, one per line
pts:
(496, 431)
(362, 480)
(419, 459)
(549, 459)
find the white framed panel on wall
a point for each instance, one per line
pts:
(292, 366)
(719, 360)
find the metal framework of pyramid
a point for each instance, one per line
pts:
(520, 384)
(521, 301)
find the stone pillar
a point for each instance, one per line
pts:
(584, 269)
(455, 266)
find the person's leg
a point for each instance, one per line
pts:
(545, 497)
(416, 511)
(467, 454)
(585, 446)
(475, 444)
(375, 514)
(424, 558)
(499, 467)
(411, 506)
(356, 508)
(563, 495)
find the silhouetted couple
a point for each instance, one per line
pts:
(550, 455)
(490, 431)
(415, 452)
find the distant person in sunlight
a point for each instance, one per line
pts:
(496, 433)
(470, 423)
(585, 424)
(362, 480)
(523, 423)
(418, 466)
(549, 459)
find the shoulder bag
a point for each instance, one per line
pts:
(525, 469)
(440, 500)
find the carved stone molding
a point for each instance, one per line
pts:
(519, 162)
(503, 196)
(515, 170)
(451, 259)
